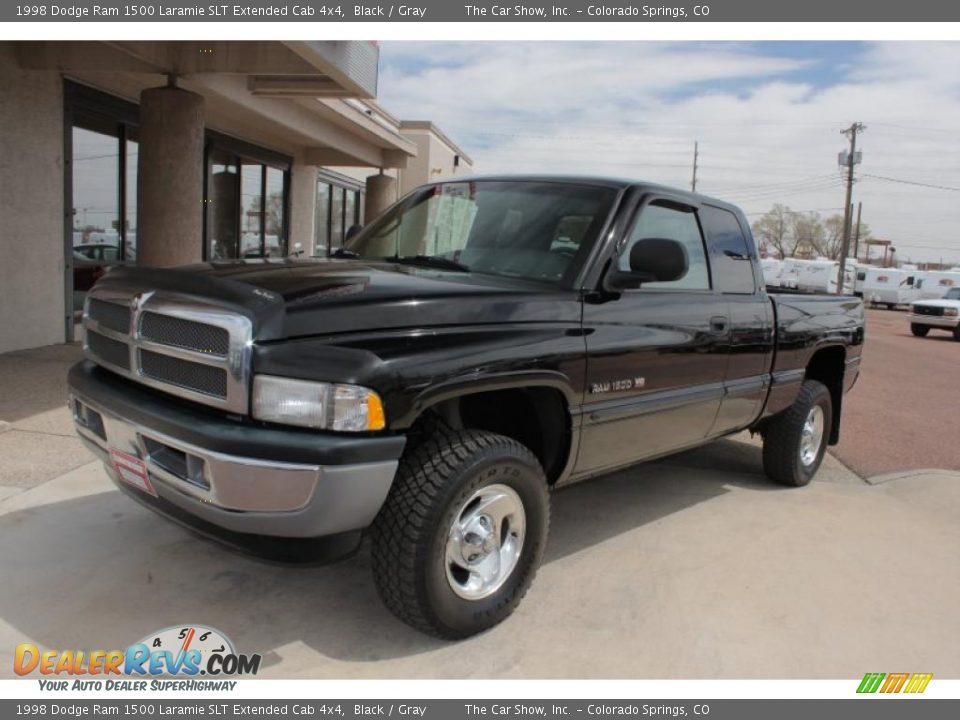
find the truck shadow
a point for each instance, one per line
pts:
(101, 572)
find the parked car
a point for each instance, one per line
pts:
(457, 360)
(90, 262)
(942, 314)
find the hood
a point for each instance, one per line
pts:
(938, 303)
(303, 298)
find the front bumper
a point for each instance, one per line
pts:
(240, 478)
(937, 321)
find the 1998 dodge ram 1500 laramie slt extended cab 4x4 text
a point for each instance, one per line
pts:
(480, 343)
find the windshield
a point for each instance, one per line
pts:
(531, 230)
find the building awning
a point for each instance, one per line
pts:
(300, 97)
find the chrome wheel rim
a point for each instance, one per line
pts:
(811, 436)
(484, 542)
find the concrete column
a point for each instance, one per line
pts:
(170, 177)
(381, 194)
(303, 205)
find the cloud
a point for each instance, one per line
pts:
(767, 118)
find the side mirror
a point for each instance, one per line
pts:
(352, 230)
(651, 260)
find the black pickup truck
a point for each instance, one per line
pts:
(481, 343)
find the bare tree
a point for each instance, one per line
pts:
(833, 236)
(807, 233)
(773, 230)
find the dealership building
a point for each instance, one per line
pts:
(167, 153)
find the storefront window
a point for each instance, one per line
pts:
(339, 207)
(222, 206)
(103, 162)
(246, 202)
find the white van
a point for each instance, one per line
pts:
(890, 287)
(936, 283)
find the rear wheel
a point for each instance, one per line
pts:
(462, 532)
(795, 441)
(919, 330)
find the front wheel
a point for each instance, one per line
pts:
(919, 330)
(462, 532)
(795, 441)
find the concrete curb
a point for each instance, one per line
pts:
(915, 473)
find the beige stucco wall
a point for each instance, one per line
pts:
(434, 161)
(31, 185)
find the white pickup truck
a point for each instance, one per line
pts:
(942, 314)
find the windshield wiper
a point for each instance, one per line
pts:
(429, 261)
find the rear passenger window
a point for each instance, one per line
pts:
(732, 253)
(661, 219)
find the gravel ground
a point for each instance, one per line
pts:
(902, 413)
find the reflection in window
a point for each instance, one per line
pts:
(322, 224)
(246, 207)
(130, 232)
(251, 199)
(96, 188)
(222, 206)
(339, 207)
(274, 213)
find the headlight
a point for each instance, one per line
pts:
(950, 312)
(325, 406)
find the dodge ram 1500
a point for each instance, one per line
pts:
(481, 343)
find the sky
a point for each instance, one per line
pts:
(767, 116)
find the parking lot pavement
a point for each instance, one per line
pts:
(902, 412)
(37, 440)
(673, 569)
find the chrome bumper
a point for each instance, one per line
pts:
(934, 320)
(240, 494)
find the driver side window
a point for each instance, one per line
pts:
(661, 219)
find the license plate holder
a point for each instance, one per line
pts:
(132, 470)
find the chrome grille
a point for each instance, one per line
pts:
(195, 349)
(187, 334)
(183, 373)
(113, 316)
(111, 351)
(927, 310)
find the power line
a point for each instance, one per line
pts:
(911, 182)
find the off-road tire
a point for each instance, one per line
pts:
(782, 436)
(409, 535)
(919, 330)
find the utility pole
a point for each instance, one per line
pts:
(856, 236)
(850, 132)
(696, 154)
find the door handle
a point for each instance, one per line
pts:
(718, 324)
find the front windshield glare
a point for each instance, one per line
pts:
(531, 230)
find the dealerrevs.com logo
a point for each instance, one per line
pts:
(184, 651)
(888, 683)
